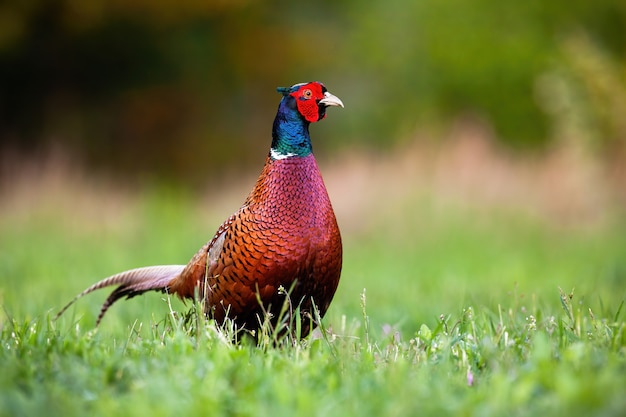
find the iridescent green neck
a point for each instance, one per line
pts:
(290, 134)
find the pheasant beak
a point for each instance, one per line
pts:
(330, 100)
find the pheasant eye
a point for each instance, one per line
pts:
(307, 93)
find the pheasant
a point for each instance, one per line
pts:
(284, 236)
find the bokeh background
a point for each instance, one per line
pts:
(476, 136)
(180, 89)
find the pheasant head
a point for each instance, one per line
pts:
(302, 104)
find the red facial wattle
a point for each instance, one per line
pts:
(307, 98)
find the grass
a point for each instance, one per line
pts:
(442, 309)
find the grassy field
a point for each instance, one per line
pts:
(444, 308)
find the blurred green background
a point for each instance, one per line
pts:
(479, 165)
(178, 89)
(481, 153)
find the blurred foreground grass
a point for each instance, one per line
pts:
(443, 307)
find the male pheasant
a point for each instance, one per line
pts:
(284, 235)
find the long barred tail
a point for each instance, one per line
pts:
(131, 283)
